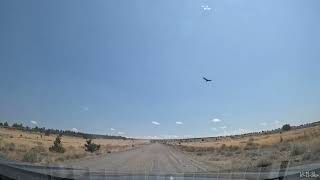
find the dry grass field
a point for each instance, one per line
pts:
(34, 147)
(251, 152)
(263, 151)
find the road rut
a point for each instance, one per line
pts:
(150, 159)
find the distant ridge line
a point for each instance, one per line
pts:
(47, 132)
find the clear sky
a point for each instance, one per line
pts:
(135, 67)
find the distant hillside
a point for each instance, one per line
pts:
(47, 132)
(266, 132)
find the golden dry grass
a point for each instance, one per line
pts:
(15, 144)
(298, 135)
(298, 146)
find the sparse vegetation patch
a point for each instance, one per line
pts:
(33, 155)
(57, 145)
(91, 147)
(298, 144)
(286, 127)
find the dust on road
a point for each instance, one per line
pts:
(150, 159)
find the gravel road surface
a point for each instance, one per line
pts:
(150, 159)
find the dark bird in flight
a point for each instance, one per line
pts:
(207, 80)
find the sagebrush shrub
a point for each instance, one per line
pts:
(57, 145)
(91, 147)
(32, 156)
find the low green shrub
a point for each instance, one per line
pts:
(91, 147)
(286, 127)
(31, 156)
(57, 146)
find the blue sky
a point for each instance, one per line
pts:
(135, 67)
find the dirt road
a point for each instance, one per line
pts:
(154, 161)
(150, 159)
